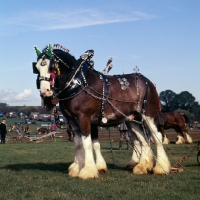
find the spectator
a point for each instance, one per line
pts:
(3, 131)
(53, 129)
(123, 134)
(18, 132)
(26, 130)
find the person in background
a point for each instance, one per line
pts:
(3, 131)
(11, 128)
(26, 130)
(123, 134)
(53, 129)
(18, 132)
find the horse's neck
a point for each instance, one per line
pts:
(61, 80)
(93, 79)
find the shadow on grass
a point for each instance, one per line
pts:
(61, 167)
(58, 167)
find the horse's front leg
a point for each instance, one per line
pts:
(100, 162)
(89, 170)
(78, 163)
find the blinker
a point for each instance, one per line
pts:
(35, 70)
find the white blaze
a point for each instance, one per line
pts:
(43, 67)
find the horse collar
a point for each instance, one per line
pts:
(74, 85)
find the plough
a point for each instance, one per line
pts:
(41, 138)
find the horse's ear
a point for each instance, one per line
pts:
(37, 51)
(49, 51)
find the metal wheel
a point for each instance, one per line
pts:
(198, 157)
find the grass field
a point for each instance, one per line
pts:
(39, 171)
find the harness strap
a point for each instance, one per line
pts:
(42, 78)
(145, 96)
(106, 91)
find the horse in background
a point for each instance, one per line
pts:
(176, 121)
(89, 99)
(42, 130)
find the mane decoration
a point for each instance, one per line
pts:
(108, 66)
(58, 46)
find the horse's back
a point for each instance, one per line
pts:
(173, 117)
(140, 90)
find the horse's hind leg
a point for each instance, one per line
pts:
(188, 138)
(162, 162)
(136, 152)
(145, 161)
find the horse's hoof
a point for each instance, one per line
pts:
(130, 166)
(73, 173)
(101, 167)
(88, 172)
(102, 171)
(73, 170)
(160, 170)
(139, 169)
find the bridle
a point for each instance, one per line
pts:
(55, 70)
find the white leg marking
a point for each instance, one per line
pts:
(189, 138)
(166, 140)
(136, 153)
(146, 159)
(180, 140)
(100, 162)
(162, 162)
(78, 163)
(90, 169)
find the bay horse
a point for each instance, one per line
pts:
(177, 122)
(88, 98)
(43, 130)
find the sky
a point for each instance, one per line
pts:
(160, 37)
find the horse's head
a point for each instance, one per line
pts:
(43, 68)
(51, 63)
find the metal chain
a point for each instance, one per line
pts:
(176, 165)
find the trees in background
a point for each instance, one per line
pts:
(3, 104)
(183, 102)
(26, 110)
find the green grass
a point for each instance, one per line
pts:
(39, 171)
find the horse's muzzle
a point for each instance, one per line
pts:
(47, 102)
(47, 93)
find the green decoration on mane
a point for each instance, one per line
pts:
(37, 51)
(49, 51)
